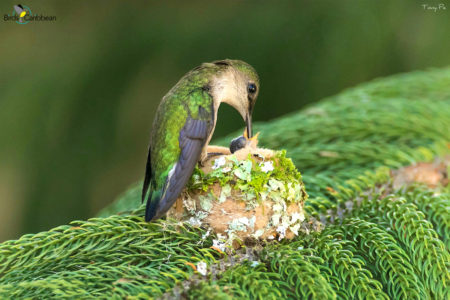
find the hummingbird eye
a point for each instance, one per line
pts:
(251, 88)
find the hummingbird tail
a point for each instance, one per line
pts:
(148, 175)
(152, 205)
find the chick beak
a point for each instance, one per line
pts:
(248, 122)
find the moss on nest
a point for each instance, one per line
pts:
(250, 175)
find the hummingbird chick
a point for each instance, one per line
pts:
(243, 141)
(238, 143)
(185, 122)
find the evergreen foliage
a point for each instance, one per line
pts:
(378, 242)
(436, 209)
(387, 260)
(416, 235)
(340, 256)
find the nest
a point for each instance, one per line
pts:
(253, 194)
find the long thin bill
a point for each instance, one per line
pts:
(248, 121)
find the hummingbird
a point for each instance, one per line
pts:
(21, 12)
(185, 122)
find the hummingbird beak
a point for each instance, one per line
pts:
(248, 122)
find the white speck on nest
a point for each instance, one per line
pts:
(219, 162)
(250, 196)
(226, 169)
(291, 195)
(226, 192)
(242, 174)
(277, 208)
(204, 236)
(255, 263)
(252, 222)
(246, 165)
(244, 221)
(205, 202)
(276, 185)
(202, 268)
(201, 215)
(189, 204)
(282, 231)
(295, 229)
(297, 217)
(220, 244)
(285, 220)
(258, 233)
(264, 194)
(194, 221)
(266, 166)
(276, 219)
(239, 224)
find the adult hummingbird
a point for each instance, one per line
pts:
(185, 122)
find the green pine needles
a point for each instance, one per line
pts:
(374, 242)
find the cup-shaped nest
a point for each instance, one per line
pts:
(253, 194)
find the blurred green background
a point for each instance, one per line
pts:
(77, 96)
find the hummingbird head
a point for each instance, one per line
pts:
(237, 84)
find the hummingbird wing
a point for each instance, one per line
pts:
(18, 9)
(191, 140)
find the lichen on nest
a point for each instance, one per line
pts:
(253, 194)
